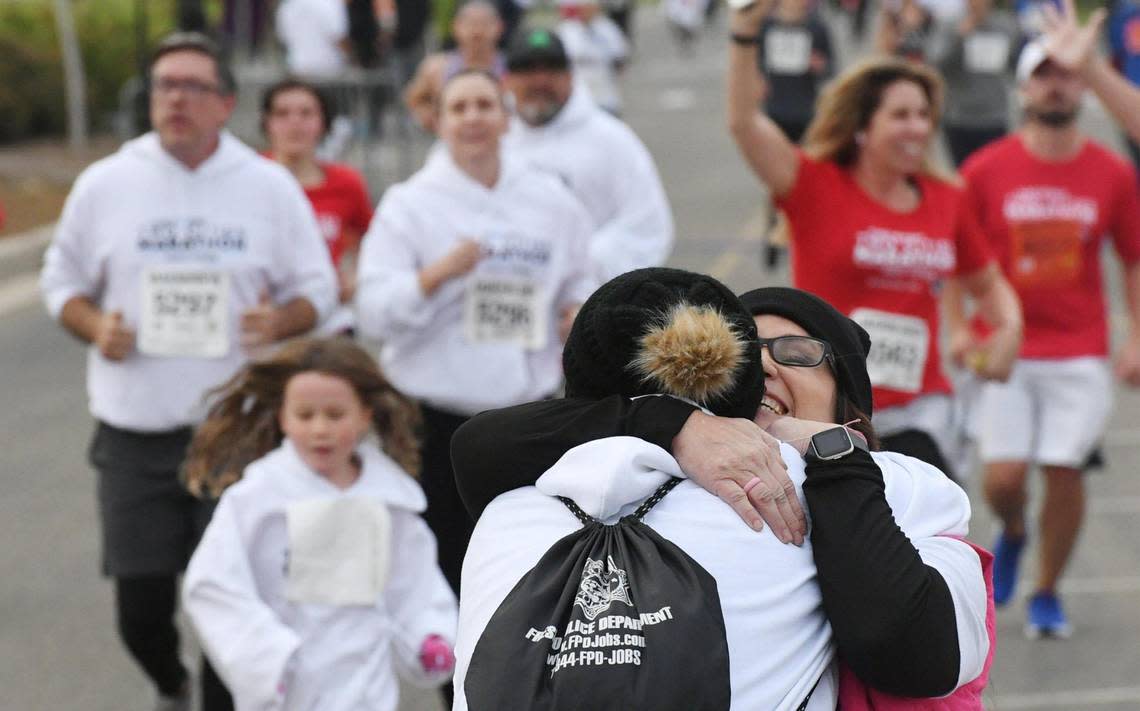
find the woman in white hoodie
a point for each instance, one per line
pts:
(470, 276)
(316, 582)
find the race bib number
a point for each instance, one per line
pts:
(1046, 253)
(185, 313)
(505, 310)
(986, 52)
(900, 346)
(787, 51)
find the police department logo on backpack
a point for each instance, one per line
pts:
(601, 587)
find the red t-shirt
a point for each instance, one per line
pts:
(1046, 223)
(883, 268)
(342, 206)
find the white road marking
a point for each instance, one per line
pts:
(1126, 584)
(1114, 505)
(1071, 699)
(677, 99)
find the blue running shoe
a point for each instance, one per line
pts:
(1046, 618)
(1007, 554)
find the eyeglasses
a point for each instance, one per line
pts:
(191, 87)
(797, 351)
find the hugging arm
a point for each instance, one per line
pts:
(894, 618)
(500, 450)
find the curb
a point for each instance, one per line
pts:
(26, 242)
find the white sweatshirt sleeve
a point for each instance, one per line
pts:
(244, 639)
(934, 513)
(305, 267)
(71, 267)
(581, 281)
(640, 234)
(418, 598)
(389, 299)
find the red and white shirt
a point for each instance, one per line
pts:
(342, 206)
(1046, 222)
(883, 268)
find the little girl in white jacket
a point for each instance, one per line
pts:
(316, 581)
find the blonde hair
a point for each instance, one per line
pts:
(847, 103)
(242, 424)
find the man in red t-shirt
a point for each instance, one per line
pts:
(1046, 196)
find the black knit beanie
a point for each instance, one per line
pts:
(658, 330)
(849, 342)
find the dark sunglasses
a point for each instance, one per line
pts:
(798, 351)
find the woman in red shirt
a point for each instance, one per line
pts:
(295, 118)
(875, 231)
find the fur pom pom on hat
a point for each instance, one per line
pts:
(666, 331)
(849, 342)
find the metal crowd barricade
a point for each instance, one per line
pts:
(371, 128)
(374, 133)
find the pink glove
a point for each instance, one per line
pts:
(436, 655)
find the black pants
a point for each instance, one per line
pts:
(145, 608)
(920, 445)
(445, 515)
(964, 141)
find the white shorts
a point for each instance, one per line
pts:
(932, 414)
(1050, 412)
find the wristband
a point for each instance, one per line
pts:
(744, 40)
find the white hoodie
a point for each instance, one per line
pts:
(531, 228)
(238, 220)
(270, 616)
(313, 32)
(607, 166)
(779, 640)
(595, 49)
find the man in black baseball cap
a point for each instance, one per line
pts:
(561, 128)
(537, 49)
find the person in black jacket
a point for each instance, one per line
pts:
(894, 617)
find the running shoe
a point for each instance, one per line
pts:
(1046, 618)
(1007, 554)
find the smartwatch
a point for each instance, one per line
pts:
(834, 443)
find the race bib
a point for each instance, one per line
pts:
(185, 313)
(899, 349)
(787, 51)
(1046, 253)
(506, 310)
(338, 551)
(986, 52)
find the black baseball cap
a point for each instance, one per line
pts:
(536, 49)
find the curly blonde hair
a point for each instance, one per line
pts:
(242, 424)
(847, 103)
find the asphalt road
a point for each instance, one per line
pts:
(58, 647)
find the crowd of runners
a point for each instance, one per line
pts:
(322, 501)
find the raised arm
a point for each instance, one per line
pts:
(1074, 46)
(768, 152)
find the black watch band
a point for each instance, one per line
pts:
(832, 444)
(744, 40)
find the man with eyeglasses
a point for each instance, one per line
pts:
(559, 128)
(176, 259)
